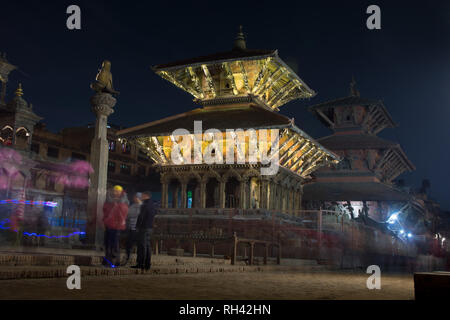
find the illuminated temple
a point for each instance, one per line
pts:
(232, 166)
(362, 184)
(238, 89)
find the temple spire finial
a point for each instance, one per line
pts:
(353, 91)
(239, 41)
(19, 90)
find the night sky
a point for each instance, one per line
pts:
(406, 63)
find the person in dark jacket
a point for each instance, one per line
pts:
(144, 226)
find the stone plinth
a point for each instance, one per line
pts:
(102, 105)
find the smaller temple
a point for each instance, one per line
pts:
(17, 121)
(363, 180)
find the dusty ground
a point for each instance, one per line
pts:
(247, 285)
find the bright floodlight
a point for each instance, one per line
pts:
(393, 218)
(402, 231)
(409, 235)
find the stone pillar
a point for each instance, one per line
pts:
(183, 203)
(243, 190)
(300, 196)
(175, 203)
(273, 193)
(265, 194)
(222, 193)
(296, 199)
(102, 106)
(203, 194)
(164, 194)
(269, 194)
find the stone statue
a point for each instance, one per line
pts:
(103, 80)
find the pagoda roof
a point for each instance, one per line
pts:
(345, 102)
(239, 72)
(221, 118)
(219, 57)
(376, 116)
(353, 191)
(296, 150)
(355, 141)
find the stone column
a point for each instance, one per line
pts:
(265, 194)
(273, 193)
(300, 196)
(164, 193)
(222, 183)
(175, 203)
(183, 203)
(102, 106)
(243, 190)
(296, 199)
(202, 193)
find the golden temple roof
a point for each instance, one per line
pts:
(239, 72)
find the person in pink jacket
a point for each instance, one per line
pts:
(115, 211)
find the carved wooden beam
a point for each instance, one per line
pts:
(244, 76)
(395, 171)
(295, 145)
(303, 156)
(196, 81)
(230, 76)
(292, 94)
(304, 165)
(286, 87)
(272, 78)
(284, 94)
(160, 149)
(209, 80)
(386, 157)
(304, 145)
(293, 153)
(312, 166)
(261, 75)
(331, 123)
(283, 145)
(150, 151)
(171, 78)
(367, 117)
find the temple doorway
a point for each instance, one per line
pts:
(174, 194)
(193, 194)
(212, 193)
(232, 193)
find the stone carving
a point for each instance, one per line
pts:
(103, 103)
(103, 80)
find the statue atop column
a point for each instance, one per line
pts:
(103, 80)
(102, 103)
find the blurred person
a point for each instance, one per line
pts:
(144, 226)
(115, 211)
(17, 218)
(132, 235)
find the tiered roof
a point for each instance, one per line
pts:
(239, 89)
(236, 73)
